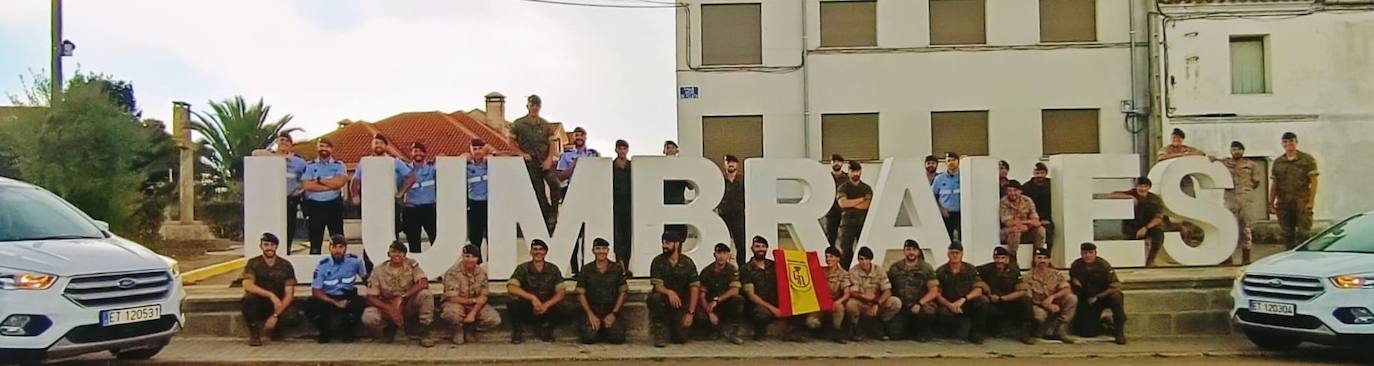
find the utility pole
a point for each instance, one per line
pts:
(56, 52)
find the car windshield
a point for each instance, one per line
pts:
(1354, 235)
(28, 213)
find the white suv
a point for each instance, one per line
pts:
(1321, 292)
(69, 287)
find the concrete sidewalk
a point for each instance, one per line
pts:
(219, 351)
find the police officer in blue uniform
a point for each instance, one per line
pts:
(355, 188)
(477, 194)
(295, 168)
(420, 195)
(334, 304)
(321, 183)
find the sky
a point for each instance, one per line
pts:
(322, 61)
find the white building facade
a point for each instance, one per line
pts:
(1014, 79)
(1251, 70)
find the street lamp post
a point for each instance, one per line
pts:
(57, 52)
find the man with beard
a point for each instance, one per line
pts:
(1019, 220)
(536, 292)
(268, 289)
(1007, 294)
(1095, 282)
(832, 218)
(295, 168)
(964, 305)
(465, 298)
(399, 299)
(381, 147)
(1293, 191)
(567, 163)
(673, 301)
(854, 196)
(477, 194)
(531, 135)
(322, 182)
(946, 189)
(334, 302)
(871, 297)
(839, 284)
(419, 197)
(1055, 303)
(721, 303)
(1245, 174)
(674, 191)
(1038, 190)
(731, 207)
(601, 289)
(760, 281)
(931, 164)
(622, 204)
(914, 283)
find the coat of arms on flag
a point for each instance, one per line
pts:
(802, 286)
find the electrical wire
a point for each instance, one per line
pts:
(645, 4)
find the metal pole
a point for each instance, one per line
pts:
(56, 86)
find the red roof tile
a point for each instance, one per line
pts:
(443, 134)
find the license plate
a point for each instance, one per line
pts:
(130, 315)
(1275, 308)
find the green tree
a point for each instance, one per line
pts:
(233, 129)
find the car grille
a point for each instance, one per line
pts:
(96, 333)
(1297, 322)
(1281, 287)
(118, 289)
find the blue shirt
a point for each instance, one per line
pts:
(295, 168)
(570, 156)
(946, 188)
(336, 277)
(423, 191)
(477, 181)
(401, 171)
(323, 170)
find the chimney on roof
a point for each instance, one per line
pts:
(345, 123)
(496, 110)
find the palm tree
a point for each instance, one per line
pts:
(233, 130)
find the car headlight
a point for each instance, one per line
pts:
(1354, 281)
(172, 265)
(14, 279)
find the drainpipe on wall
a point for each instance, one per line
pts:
(806, 86)
(1135, 115)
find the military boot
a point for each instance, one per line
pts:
(1027, 333)
(732, 334)
(839, 335)
(852, 329)
(470, 334)
(254, 335)
(660, 339)
(426, 340)
(459, 336)
(1061, 332)
(760, 332)
(517, 334)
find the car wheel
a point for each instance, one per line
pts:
(1270, 341)
(136, 354)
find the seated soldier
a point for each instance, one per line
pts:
(963, 305)
(399, 299)
(1094, 281)
(721, 305)
(760, 281)
(1010, 303)
(838, 281)
(914, 283)
(673, 302)
(1054, 302)
(334, 303)
(536, 292)
(601, 290)
(465, 298)
(268, 290)
(871, 299)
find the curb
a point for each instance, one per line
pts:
(200, 274)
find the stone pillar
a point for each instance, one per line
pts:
(186, 182)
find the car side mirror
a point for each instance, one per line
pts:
(104, 226)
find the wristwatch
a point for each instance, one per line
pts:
(715, 299)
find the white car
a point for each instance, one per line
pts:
(1321, 292)
(69, 287)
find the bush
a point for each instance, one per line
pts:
(224, 217)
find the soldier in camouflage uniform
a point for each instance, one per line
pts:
(465, 298)
(1245, 175)
(731, 207)
(1055, 303)
(1293, 191)
(914, 283)
(721, 305)
(531, 135)
(854, 197)
(1007, 293)
(673, 302)
(760, 281)
(1095, 283)
(398, 291)
(838, 281)
(601, 290)
(872, 301)
(963, 297)
(536, 295)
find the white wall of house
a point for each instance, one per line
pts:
(1321, 88)
(904, 79)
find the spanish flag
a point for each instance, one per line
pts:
(802, 287)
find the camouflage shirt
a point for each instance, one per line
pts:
(1018, 208)
(1245, 174)
(1094, 278)
(716, 279)
(910, 282)
(602, 289)
(273, 278)
(871, 282)
(1043, 283)
(461, 283)
(762, 282)
(838, 280)
(1170, 151)
(679, 277)
(388, 281)
(956, 285)
(1293, 176)
(532, 134)
(1001, 282)
(542, 284)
